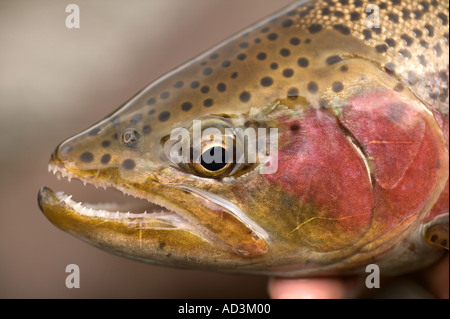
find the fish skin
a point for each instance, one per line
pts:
(363, 148)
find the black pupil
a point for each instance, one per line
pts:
(209, 160)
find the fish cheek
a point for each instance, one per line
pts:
(324, 171)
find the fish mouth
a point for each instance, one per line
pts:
(138, 208)
(152, 230)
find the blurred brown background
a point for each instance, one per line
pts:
(55, 82)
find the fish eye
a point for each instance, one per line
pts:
(214, 159)
(129, 136)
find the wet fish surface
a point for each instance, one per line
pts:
(357, 92)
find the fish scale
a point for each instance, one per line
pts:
(362, 161)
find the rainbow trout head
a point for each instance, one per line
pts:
(310, 143)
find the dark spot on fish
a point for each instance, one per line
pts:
(337, 87)
(266, 81)
(303, 62)
(285, 52)
(399, 87)
(151, 101)
(396, 112)
(165, 95)
(241, 56)
(437, 50)
(221, 87)
(444, 243)
(314, 28)
(208, 102)
(434, 238)
(186, 106)
(390, 67)
(129, 164)
(422, 60)
(342, 29)
(344, 2)
(151, 112)
(105, 159)
(87, 157)
(294, 41)
(339, 14)
(147, 129)
(307, 41)
(195, 84)
(234, 75)
(66, 149)
(274, 66)
(443, 17)
(393, 17)
(408, 40)
(226, 63)
(245, 96)
(207, 71)
(106, 143)
(391, 42)
(443, 96)
(377, 30)
(406, 14)
(355, 16)
(136, 118)
(115, 136)
(417, 14)
(243, 45)
(333, 59)
(178, 84)
(214, 56)
(358, 3)
(287, 23)
(115, 121)
(424, 44)
(430, 30)
(383, 5)
(261, 56)
(272, 36)
(412, 77)
(381, 48)
(344, 68)
(287, 73)
(94, 131)
(162, 245)
(313, 87)
(257, 40)
(265, 30)
(293, 93)
(204, 89)
(405, 53)
(417, 33)
(367, 34)
(164, 116)
(203, 63)
(295, 127)
(433, 95)
(425, 5)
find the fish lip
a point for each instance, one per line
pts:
(58, 169)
